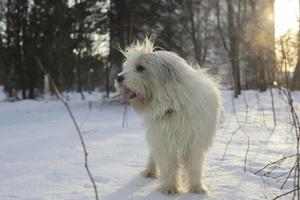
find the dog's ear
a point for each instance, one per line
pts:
(166, 70)
(169, 72)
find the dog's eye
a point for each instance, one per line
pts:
(140, 68)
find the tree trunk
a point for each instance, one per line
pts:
(31, 89)
(80, 83)
(296, 76)
(261, 72)
(107, 85)
(193, 30)
(117, 38)
(236, 76)
(234, 49)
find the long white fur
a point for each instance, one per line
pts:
(181, 107)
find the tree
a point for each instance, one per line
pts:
(260, 45)
(199, 26)
(2, 46)
(296, 76)
(232, 37)
(129, 20)
(247, 35)
(14, 61)
(184, 27)
(49, 39)
(59, 34)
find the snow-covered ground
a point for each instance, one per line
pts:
(41, 156)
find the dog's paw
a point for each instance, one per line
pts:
(147, 173)
(168, 189)
(198, 189)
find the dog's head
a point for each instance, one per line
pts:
(146, 74)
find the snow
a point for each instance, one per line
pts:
(41, 156)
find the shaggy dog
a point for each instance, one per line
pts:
(181, 109)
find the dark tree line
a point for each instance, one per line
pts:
(58, 34)
(185, 27)
(233, 38)
(236, 33)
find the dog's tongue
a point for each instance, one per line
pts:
(126, 95)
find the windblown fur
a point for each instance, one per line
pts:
(181, 108)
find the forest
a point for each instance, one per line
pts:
(79, 41)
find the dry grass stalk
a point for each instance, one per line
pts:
(63, 100)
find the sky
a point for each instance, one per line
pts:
(286, 16)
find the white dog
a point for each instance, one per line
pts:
(181, 108)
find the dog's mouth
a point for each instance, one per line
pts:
(128, 94)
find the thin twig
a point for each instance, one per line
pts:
(246, 155)
(228, 143)
(260, 108)
(284, 194)
(63, 100)
(274, 162)
(220, 28)
(246, 106)
(273, 106)
(233, 109)
(125, 118)
(278, 177)
(288, 176)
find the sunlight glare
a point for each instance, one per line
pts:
(286, 17)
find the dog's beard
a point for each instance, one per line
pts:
(137, 100)
(139, 104)
(128, 95)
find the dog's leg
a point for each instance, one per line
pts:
(194, 167)
(150, 171)
(168, 173)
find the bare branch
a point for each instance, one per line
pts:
(289, 174)
(228, 143)
(274, 162)
(63, 100)
(273, 106)
(220, 28)
(125, 117)
(289, 192)
(246, 155)
(246, 106)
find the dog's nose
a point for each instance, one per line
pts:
(120, 78)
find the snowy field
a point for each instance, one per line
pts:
(41, 155)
